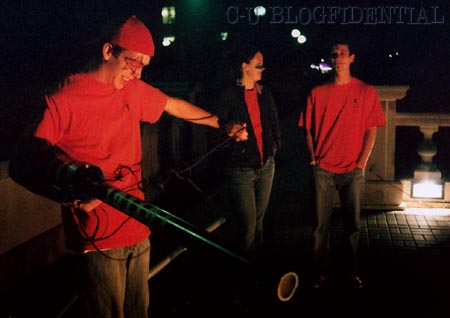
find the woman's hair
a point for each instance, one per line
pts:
(242, 55)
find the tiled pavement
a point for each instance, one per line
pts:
(405, 261)
(412, 229)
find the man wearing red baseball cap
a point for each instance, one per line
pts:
(94, 117)
(134, 36)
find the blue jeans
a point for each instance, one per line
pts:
(250, 192)
(115, 282)
(349, 186)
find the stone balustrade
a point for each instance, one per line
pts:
(382, 190)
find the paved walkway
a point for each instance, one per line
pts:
(413, 230)
(405, 261)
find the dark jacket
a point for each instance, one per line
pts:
(232, 107)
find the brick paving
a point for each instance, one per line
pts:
(405, 261)
(400, 229)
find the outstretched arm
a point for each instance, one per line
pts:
(184, 110)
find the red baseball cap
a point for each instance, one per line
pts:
(135, 36)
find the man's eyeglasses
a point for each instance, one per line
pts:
(133, 64)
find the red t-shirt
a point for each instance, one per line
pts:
(337, 117)
(251, 99)
(95, 123)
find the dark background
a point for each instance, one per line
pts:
(44, 40)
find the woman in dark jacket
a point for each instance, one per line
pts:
(250, 165)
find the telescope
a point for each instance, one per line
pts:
(86, 181)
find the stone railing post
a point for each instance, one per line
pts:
(427, 150)
(429, 124)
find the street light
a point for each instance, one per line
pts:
(296, 34)
(301, 39)
(259, 11)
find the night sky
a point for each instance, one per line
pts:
(44, 40)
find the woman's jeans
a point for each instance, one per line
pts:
(349, 186)
(115, 282)
(250, 192)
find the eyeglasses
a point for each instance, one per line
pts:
(260, 67)
(133, 64)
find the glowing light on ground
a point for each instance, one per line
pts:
(427, 211)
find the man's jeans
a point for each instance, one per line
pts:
(115, 282)
(349, 187)
(250, 193)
